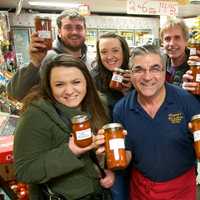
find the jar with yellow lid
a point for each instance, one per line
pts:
(195, 121)
(81, 130)
(115, 146)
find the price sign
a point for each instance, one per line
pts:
(152, 7)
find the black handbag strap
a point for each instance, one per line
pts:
(96, 162)
(48, 194)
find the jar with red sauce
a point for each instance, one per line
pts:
(194, 46)
(195, 68)
(117, 79)
(82, 130)
(115, 146)
(195, 121)
(43, 28)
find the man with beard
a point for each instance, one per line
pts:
(174, 35)
(70, 40)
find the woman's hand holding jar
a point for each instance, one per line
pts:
(76, 150)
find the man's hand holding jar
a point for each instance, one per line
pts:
(189, 82)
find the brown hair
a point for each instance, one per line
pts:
(104, 73)
(91, 103)
(70, 14)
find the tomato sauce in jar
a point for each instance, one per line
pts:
(81, 130)
(115, 146)
(117, 79)
(196, 133)
(43, 27)
(195, 68)
(194, 46)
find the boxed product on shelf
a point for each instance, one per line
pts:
(6, 148)
(7, 126)
(8, 183)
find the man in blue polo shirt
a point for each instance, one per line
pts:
(156, 116)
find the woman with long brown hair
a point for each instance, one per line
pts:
(44, 149)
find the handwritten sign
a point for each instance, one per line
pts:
(152, 7)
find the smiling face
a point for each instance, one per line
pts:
(72, 33)
(110, 53)
(68, 85)
(174, 42)
(148, 76)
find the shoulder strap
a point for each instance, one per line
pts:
(96, 162)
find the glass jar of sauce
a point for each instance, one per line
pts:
(117, 79)
(195, 68)
(196, 133)
(115, 146)
(43, 27)
(194, 45)
(81, 130)
(126, 71)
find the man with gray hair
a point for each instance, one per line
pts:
(158, 142)
(174, 35)
(70, 40)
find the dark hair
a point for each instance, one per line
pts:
(70, 14)
(91, 103)
(104, 73)
(144, 50)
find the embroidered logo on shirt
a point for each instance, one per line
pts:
(175, 118)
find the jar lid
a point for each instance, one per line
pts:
(127, 71)
(195, 117)
(112, 125)
(194, 63)
(118, 70)
(194, 41)
(79, 119)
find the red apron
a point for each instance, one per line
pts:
(181, 188)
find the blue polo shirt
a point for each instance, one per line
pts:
(162, 147)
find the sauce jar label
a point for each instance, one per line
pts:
(115, 145)
(193, 51)
(117, 77)
(83, 134)
(197, 77)
(44, 34)
(196, 135)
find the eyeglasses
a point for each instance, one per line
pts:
(154, 70)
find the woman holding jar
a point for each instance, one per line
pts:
(44, 149)
(112, 54)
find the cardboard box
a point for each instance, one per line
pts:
(8, 124)
(6, 149)
(7, 172)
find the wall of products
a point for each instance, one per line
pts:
(131, 28)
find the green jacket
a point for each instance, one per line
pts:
(42, 155)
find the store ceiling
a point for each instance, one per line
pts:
(99, 6)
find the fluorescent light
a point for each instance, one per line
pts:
(54, 4)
